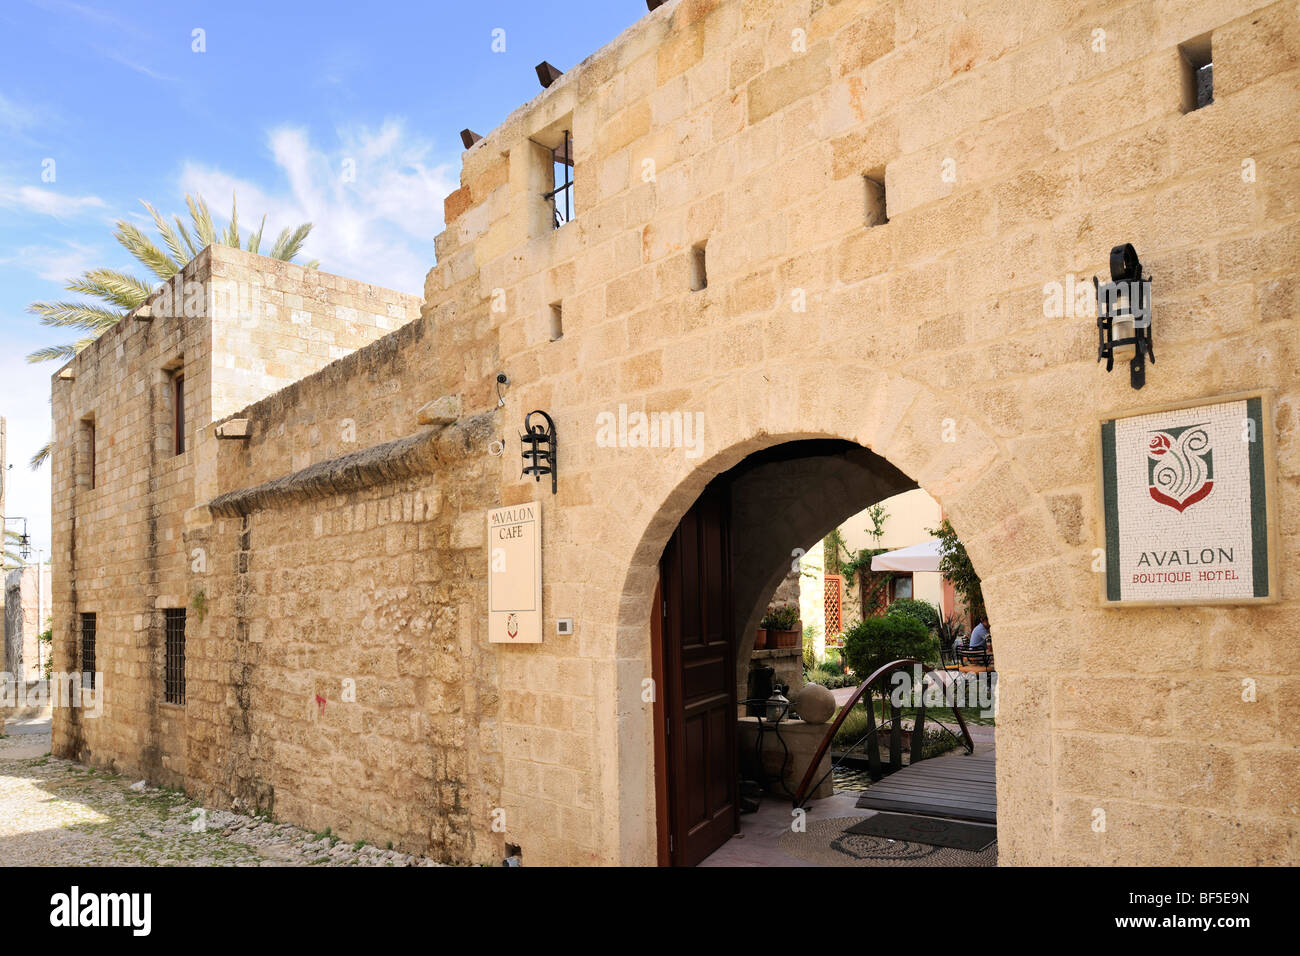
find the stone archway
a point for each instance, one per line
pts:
(919, 435)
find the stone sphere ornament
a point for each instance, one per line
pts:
(815, 704)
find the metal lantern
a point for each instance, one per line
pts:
(538, 443)
(777, 705)
(24, 540)
(1124, 315)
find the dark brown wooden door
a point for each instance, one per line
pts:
(699, 682)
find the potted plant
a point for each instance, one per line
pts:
(760, 637)
(783, 628)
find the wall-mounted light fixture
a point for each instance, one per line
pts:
(24, 541)
(1124, 315)
(538, 442)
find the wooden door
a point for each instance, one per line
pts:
(699, 682)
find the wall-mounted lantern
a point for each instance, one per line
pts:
(24, 541)
(1124, 315)
(538, 442)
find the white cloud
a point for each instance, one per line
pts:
(56, 264)
(46, 201)
(14, 116)
(377, 227)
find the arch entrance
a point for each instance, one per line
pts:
(728, 553)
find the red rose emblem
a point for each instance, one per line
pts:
(1159, 445)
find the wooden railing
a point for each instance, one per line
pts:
(893, 722)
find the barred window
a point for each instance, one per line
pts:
(174, 663)
(88, 650)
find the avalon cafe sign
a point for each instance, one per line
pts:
(515, 574)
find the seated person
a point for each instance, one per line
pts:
(980, 636)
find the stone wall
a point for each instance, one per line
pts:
(24, 598)
(1014, 152)
(121, 546)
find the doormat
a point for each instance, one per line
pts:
(947, 833)
(830, 843)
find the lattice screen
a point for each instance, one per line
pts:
(834, 594)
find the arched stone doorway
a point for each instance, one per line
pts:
(914, 437)
(733, 547)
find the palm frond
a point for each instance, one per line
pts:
(60, 353)
(255, 239)
(202, 217)
(232, 230)
(122, 290)
(52, 353)
(168, 234)
(42, 455)
(289, 243)
(185, 234)
(77, 315)
(145, 252)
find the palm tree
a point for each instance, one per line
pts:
(119, 292)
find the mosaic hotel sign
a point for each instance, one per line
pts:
(1186, 506)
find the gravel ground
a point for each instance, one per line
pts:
(55, 812)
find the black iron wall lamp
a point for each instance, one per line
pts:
(538, 443)
(1124, 315)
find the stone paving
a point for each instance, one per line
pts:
(55, 812)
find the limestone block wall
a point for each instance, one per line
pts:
(276, 322)
(1012, 154)
(348, 683)
(116, 540)
(120, 541)
(1014, 151)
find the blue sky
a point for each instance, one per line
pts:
(115, 102)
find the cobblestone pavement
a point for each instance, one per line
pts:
(55, 812)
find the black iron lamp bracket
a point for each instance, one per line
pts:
(539, 444)
(1126, 297)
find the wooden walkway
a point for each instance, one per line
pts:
(958, 787)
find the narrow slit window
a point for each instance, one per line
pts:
(1196, 60)
(874, 185)
(174, 656)
(88, 650)
(557, 321)
(699, 268)
(178, 403)
(88, 452)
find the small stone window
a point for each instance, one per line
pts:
(557, 321)
(874, 186)
(88, 650)
(174, 655)
(1197, 73)
(699, 268)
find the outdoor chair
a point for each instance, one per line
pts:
(977, 661)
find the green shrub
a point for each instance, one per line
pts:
(923, 611)
(853, 728)
(875, 641)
